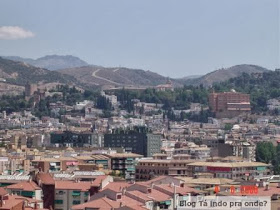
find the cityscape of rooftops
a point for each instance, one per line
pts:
(139, 105)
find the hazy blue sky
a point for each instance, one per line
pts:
(173, 38)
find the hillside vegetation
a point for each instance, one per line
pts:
(96, 75)
(222, 75)
(19, 73)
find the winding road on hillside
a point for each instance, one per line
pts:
(102, 78)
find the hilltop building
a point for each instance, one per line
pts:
(30, 89)
(229, 104)
(164, 87)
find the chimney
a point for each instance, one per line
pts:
(121, 204)
(124, 190)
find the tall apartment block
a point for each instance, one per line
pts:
(138, 141)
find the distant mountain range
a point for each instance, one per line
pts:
(79, 73)
(52, 62)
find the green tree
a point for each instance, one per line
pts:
(265, 152)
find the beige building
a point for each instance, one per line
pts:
(231, 170)
(69, 193)
(27, 189)
(160, 165)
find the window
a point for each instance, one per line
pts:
(75, 202)
(60, 192)
(58, 201)
(16, 192)
(29, 194)
(76, 193)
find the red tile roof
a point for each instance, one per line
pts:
(46, 178)
(180, 190)
(158, 196)
(101, 203)
(11, 203)
(26, 186)
(139, 194)
(98, 180)
(3, 191)
(14, 200)
(117, 186)
(155, 179)
(30, 200)
(104, 204)
(72, 185)
(132, 203)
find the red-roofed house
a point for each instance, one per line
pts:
(69, 193)
(27, 189)
(155, 194)
(15, 202)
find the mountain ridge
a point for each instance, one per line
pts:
(51, 62)
(19, 73)
(117, 76)
(224, 74)
(93, 75)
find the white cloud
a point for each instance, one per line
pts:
(14, 32)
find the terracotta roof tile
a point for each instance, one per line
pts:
(179, 190)
(46, 178)
(158, 196)
(117, 186)
(26, 186)
(101, 203)
(14, 200)
(3, 191)
(72, 185)
(98, 180)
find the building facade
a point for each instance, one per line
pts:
(125, 164)
(73, 139)
(142, 143)
(229, 104)
(149, 168)
(236, 170)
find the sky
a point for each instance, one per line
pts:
(173, 38)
